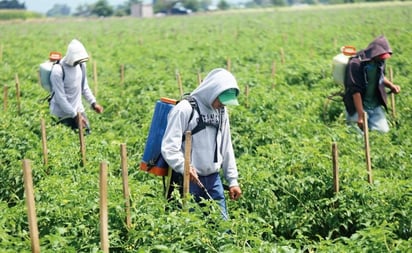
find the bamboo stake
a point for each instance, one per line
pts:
(95, 77)
(282, 55)
(16, 77)
(5, 96)
(44, 141)
(186, 175)
(199, 78)
(81, 138)
(122, 74)
(247, 95)
(273, 74)
(126, 193)
(31, 208)
(179, 82)
(38, 77)
(104, 233)
(335, 167)
(367, 148)
(228, 64)
(392, 95)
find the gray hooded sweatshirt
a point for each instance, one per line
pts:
(203, 142)
(67, 98)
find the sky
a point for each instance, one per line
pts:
(43, 6)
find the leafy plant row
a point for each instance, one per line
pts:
(282, 134)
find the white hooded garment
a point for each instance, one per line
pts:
(203, 142)
(67, 98)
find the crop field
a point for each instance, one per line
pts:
(283, 133)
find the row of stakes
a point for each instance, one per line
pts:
(103, 166)
(104, 232)
(122, 76)
(104, 241)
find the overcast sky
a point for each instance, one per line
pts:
(44, 5)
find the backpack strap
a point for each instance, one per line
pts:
(50, 96)
(83, 68)
(201, 124)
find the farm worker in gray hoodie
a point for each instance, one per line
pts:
(211, 147)
(365, 84)
(69, 83)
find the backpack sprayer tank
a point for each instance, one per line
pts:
(340, 62)
(152, 160)
(45, 70)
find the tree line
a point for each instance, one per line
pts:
(11, 4)
(102, 8)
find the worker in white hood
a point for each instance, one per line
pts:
(211, 147)
(69, 83)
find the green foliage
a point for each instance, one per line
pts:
(18, 14)
(102, 9)
(282, 134)
(223, 5)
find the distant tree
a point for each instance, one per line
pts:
(279, 2)
(11, 4)
(120, 11)
(191, 4)
(163, 5)
(223, 5)
(102, 9)
(58, 10)
(83, 10)
(310, 1)
(204, 4)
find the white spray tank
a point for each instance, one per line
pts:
(340, 61)
(45, 70)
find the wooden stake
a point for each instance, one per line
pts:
(186, 175)
(179, 82)
(122, 74)
(104, 232)
(367, 148)
(44, 141)
(126, 193)
(228, 64)
(247, 95)
(335, 167)
(17, 92)
(95, 77)
(199, 78)
(81, 137)
(392, 94)
(31, 208)
(273, 74)
(5, 96)
(282, 55)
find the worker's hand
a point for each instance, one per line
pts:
(395, 89)
(97, 108)
(193, 175)
(83, 121)
(235, 192)
(360, 123)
